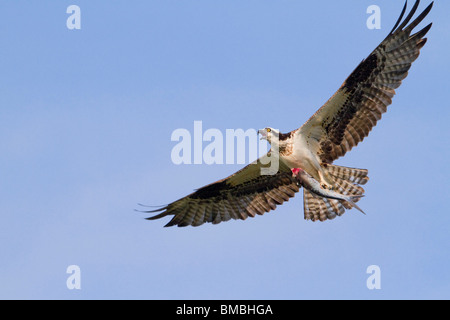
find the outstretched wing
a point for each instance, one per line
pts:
(349, 115)
(244, 194)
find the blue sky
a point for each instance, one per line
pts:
(86, 118)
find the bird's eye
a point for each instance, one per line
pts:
(268, 129)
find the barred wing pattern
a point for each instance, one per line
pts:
(244, 194)
(338, 126)
(350, 114)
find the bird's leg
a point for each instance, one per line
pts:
(323, 181)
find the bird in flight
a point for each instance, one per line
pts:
(305, 156)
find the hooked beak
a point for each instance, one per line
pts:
(263, 134)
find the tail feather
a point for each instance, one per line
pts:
(354, 175)
(347, 182)
(348, 188)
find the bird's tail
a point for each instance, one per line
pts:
(347, 181)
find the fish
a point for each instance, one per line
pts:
(308, 182)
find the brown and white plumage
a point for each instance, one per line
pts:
(348, 181)
(338, 126)
(349, 115)
(244, 194)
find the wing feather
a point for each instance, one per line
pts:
(338, 126)
(351, 113)
(246, 193)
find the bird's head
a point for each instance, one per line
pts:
(269, 134)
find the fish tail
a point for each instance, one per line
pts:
(353, 199)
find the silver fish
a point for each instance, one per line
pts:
(314, 186)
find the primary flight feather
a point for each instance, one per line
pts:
(338, 126)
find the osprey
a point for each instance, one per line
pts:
(338, 126)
